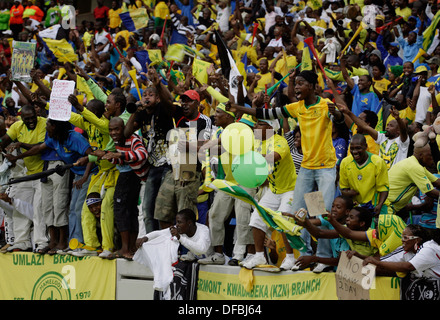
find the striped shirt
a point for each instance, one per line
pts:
(134, 154)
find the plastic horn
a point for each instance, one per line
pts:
(351, 40)
(132, 74)
(309, 42)
(160, 44)
(421, 53)
(208, 175)
(379, 29)
(61, 73)
(254, 32)
(109, 37)
(272, 89)
(75, 244)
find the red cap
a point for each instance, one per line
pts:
(192, 94)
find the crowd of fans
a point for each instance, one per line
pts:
(353, 114)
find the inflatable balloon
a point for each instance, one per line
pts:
(250, 169)
(237, 138)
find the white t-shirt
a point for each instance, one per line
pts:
(427, 260)
(392, 151)
(423, 103)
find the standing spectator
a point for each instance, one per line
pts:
(101, 12)
(70, 146)
(16, 20)
(153, 118)
(24, 135)
(133, 152)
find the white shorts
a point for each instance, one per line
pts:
(278, 202)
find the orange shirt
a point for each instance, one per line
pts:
(16, 14)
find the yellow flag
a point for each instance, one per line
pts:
(132, 73)
(62, 50)
(306, 60)
(175, 52)
(82, 86)
(200, 69)
(155, 55)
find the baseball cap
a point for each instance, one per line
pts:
(435, 60)
(192, 94)
(421, 69)
(394, 44)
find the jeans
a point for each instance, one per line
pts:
(76, 203)
(152, 185)
(306, 181)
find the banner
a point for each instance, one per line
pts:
(304, 285)
(29, 276)
(23, 57)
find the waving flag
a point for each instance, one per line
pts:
(273, 219)
(228, 67)
(200, 70)
(62, 49)
(429, 33)
(135, 19)
(306, 58)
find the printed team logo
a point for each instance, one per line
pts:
(51, 286)
(359, 177)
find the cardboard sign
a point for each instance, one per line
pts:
(353, 280)
(59, 106)
(315, 203)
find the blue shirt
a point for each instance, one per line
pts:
(364, 101)
(410, 50)
(338, 244)
(70, 150)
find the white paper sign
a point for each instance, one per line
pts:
(59, 106)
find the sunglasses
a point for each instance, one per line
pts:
(407, 238)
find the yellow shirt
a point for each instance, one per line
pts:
(265, 79)
(114, 18)
(368, 180)
(405, 13)
(372, 146)
(316, 128)
(97, 133)
(381, 85)
(405, 178)
(19, 132)
(282, 174)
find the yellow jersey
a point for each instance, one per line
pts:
(19, 132)
(405, 178)
(369, 179)
(316, 133)
(282, 174)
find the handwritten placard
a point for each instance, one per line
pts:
(353, 280)
(59, 106)
(315, 203)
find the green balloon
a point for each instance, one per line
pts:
(250, 169)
